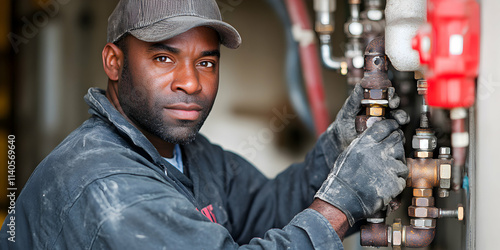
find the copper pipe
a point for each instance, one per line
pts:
(416, 238)
(375, 235)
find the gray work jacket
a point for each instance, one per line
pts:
(105, 187)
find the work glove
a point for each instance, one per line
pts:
(343, 130)
(369, 173)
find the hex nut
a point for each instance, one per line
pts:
(397, 233)
(376, 94)
(425, 143)
(445, 171)
(375, 111)
(423, 212)
(445, 176)
(422, 201)
(422, 192)
(423, 223)
(423, 154)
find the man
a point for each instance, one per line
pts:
(137, 174)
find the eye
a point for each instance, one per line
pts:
(207, 64)
(163, 59)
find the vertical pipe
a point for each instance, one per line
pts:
(310, 63)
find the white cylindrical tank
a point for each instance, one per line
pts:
(403, 19)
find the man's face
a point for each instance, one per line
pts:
(168, 88)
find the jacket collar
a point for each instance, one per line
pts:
(100, 106)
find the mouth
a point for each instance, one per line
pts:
(184, 111)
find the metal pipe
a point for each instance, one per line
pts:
(330, 61)
(375, 235)
(354, 9)
(325, 25)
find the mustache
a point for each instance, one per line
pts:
(184, 98)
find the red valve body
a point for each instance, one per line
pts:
(449, 48)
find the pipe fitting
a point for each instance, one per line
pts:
(423, 174)
(375, 235)
(327, 57)
(417, 237)
(325, 23)
(376, 66)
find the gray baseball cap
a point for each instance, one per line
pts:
(158, 20)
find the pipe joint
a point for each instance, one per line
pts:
(327, 57)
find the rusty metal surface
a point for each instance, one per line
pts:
(374, 235)
(375, 94)
(423, 212)
(362, 122)
(376, 65)
(416, 238)
(424, 173)
(422, 192)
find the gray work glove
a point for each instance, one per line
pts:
(343, 131)
(369, 173)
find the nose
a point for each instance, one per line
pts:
(186, 80)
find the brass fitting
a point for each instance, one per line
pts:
(375, 110)
(422, 192)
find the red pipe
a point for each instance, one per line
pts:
(311, 66)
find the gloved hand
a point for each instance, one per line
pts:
(369, 173)
(343, 131)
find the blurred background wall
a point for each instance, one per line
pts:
(51, 54)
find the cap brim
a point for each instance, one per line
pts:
(175, 26)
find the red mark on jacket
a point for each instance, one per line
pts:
(208, 212)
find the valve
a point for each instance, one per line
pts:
(449, 46)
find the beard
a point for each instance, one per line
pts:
(146, 111)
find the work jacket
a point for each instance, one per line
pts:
(106, 187)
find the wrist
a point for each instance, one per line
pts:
(335, 216)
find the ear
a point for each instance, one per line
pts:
(112, 60)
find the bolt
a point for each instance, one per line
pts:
(443, 193)
(445, 151)
(458, 213)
